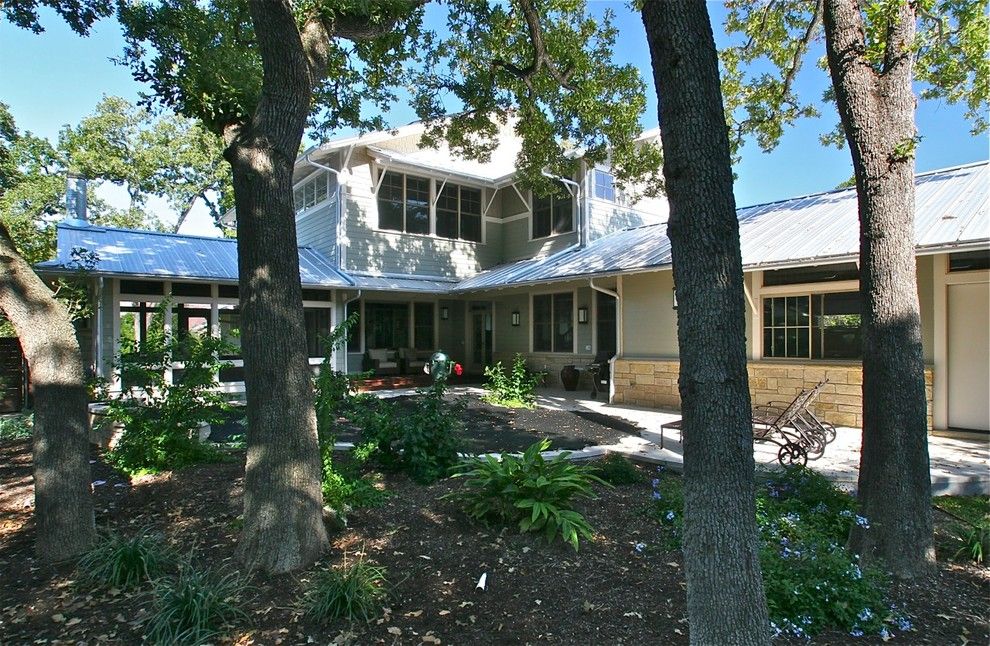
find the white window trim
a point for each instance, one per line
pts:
(434, 197)
(532, 219)
(802, 289)
(574, 323)
(310, 209)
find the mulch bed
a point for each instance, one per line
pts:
(537, 593)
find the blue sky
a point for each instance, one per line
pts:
(57, 78)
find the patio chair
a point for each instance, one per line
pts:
(384, 361)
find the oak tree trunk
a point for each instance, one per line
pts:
(283, 502)
(726, 603)
(63, 499)
(877, 111)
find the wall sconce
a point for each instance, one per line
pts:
(674, 294)
(444, 313)
(582, 315)
(516, 319)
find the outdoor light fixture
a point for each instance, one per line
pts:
(444, 313)
(582, 315)
(516, 318)
(674, 294)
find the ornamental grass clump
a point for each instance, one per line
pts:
(127, 561)
(355, 592)
(529, 491)
(194, 606)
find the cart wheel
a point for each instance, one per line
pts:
(829, 433)
(813, 449)
(791, 455)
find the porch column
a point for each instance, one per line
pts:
(167, 323)
(756, 328)
(115, 331)
(940, 349)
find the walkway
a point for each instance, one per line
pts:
(958, 466)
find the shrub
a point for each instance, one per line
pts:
(161, 424)
(124, 561)
(617, 470)
(974, 540)
(530, 491)
(811, 581)
(16, 427)
(515, 388)
(193, 606)
(423, 442)
(969, 531)
(354, 592)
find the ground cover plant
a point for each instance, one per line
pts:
(355, 591)
(968, 532)
(18, 426)
(194, 606)
(127, 561)
(530, 491)
(812, 581)
(514, 387)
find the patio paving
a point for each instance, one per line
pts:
(959, 466)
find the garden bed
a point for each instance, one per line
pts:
(610, 592)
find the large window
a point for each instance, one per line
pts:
(311, 192)
(423, 326)
(317, 327)
(386, 325)
(552, 215)
(553, 322)
(815, 326)
(459, 212)
(605, 188)
(404, 203)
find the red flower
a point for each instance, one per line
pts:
(458, 370)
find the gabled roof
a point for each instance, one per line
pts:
(952, 211)
(152, 254)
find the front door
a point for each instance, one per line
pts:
(481, 338)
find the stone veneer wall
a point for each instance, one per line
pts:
(653, 383)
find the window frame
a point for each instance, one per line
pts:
(532, 216)
(302, 185)
(811, 291)
(459, 212)
(553, 321)
(436, 186)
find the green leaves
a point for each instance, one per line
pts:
(515, 388)
(530, 491)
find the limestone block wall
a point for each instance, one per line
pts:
(653, 383)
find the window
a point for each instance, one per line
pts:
(423, 326)
(553, 323)
(605, 186)
(354, 340)
(844, 271)
(230, 330)
(969, 260)
(404, 203)
(317, 327)
(815, 326)
(552, 215)
(386, 325)
(459, 212)
(310, 192)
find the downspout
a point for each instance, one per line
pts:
(98, 351)
(618, 333)
(346, 303)
(578, 196)
(339, 259)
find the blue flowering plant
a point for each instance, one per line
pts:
(666, 506)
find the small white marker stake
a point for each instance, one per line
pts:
(482, 582)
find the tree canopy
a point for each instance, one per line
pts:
(775, 39)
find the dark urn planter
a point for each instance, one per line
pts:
(569, 377)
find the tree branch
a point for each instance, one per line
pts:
(541, 58)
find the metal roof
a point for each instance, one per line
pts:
(152, 254)
(374, 282)
(951, 210)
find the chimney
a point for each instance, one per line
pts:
(75, 199)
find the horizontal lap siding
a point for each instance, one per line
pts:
(397, 253)
(318, 230)
(606, 217)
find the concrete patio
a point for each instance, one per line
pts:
(958, 466)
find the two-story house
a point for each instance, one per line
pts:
(437, 252)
